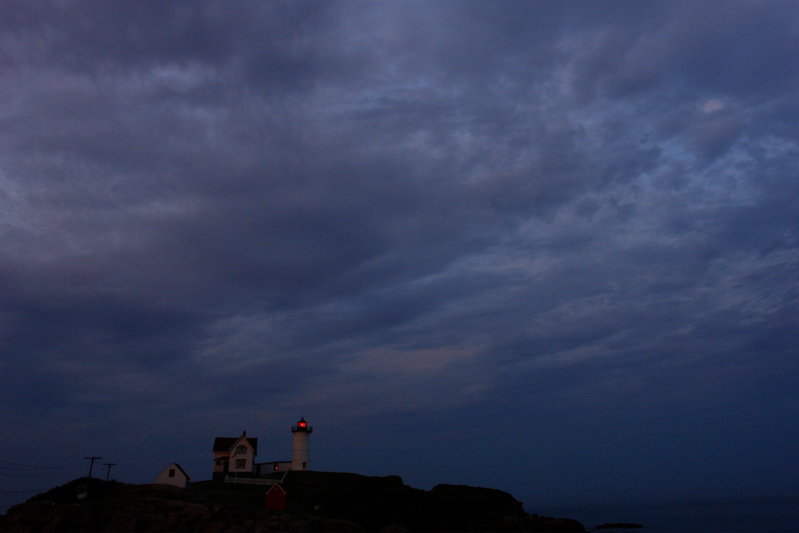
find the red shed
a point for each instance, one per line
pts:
(276, 497)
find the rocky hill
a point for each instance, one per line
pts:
(316, 501)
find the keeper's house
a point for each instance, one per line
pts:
(234, 455)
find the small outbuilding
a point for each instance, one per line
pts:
(276, 498)
(174, 475)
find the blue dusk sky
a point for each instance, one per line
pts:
(546, 247)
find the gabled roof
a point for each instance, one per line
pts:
(225, 444)
(179, 468)
(275, 488)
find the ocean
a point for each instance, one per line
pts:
(767, 515)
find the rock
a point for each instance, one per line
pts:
(393, 528)
(318, 502)
(213, 527)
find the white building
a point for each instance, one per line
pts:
(173, 475)
(301, 450)
(235, 454)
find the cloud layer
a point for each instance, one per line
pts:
(545, 247)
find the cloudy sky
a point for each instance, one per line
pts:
(544, 247)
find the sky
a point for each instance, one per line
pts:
(545, 247)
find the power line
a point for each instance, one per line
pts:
(20, 470)
(3, 474)
(20, 491)
(40, 467)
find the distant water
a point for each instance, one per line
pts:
(774, 515)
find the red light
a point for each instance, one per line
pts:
(302, 424)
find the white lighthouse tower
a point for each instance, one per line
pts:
(301, 450)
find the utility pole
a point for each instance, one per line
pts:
(109, 465)
(92, 458)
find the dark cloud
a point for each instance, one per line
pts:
(418, 225)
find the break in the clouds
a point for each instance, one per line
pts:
(549, 247)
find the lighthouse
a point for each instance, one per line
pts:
(301, 450)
